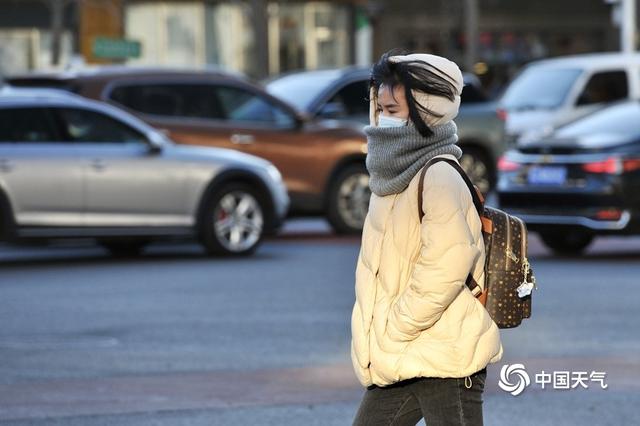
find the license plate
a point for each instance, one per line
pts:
(547, 175)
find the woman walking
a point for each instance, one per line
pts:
(420, 341)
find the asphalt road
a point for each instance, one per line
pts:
(176, 338)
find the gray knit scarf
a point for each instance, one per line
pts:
(396, 154)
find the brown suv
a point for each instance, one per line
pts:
(322, 163)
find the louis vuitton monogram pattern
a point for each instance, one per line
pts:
(506, 248)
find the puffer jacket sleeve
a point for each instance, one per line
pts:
(447, 253)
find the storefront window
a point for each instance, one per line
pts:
(170, 33)
(193, 34)
(308, 36)
(25, 49)
(305, 35)
(230, 37)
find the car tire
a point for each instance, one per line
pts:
(572, 242)
(478, 166)
(7, 224)
(124, 248)
(226, 227)
(348, 199)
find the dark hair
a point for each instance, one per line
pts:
(413, 75)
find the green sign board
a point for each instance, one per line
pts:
(114, 48)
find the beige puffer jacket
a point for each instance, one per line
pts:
(413, 315)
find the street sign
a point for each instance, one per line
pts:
(113, 48)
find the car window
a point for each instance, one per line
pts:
(81, 125)
(350, 102)
(241, 105)
(301, 90)
(604, 87)
(170, 100)
(540, 87)
(26, 125)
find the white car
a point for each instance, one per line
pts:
(551, 92)
(71, 167)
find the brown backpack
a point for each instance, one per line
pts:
(509, 279)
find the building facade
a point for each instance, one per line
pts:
(26, 35)
(261, 37)
(254, 37)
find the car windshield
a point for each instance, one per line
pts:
(300, 90)
(618, 119)
(540, 87)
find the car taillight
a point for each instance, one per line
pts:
(610, 166)
(609, 214)
(631, 165)
(505, 165)
(502, 114)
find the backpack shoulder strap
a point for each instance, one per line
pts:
(478, 199)
(421, 188)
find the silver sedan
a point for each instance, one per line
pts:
(71, 167)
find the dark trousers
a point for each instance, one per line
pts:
(450, 401)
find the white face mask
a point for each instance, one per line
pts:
(386, 121)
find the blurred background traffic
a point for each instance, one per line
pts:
(288, 82)
(148, 126)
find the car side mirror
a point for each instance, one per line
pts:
(301, 119)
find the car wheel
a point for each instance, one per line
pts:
(478, 167)
(567, 242)
(128, 248)
(7, 224)
(349, 199)
(232, 221)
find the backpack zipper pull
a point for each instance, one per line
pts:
(512, 256)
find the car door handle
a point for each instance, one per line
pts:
(242, 139)
(5, 165)
(98, 164)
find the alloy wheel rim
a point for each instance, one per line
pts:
(353, 199)
(238, 221)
